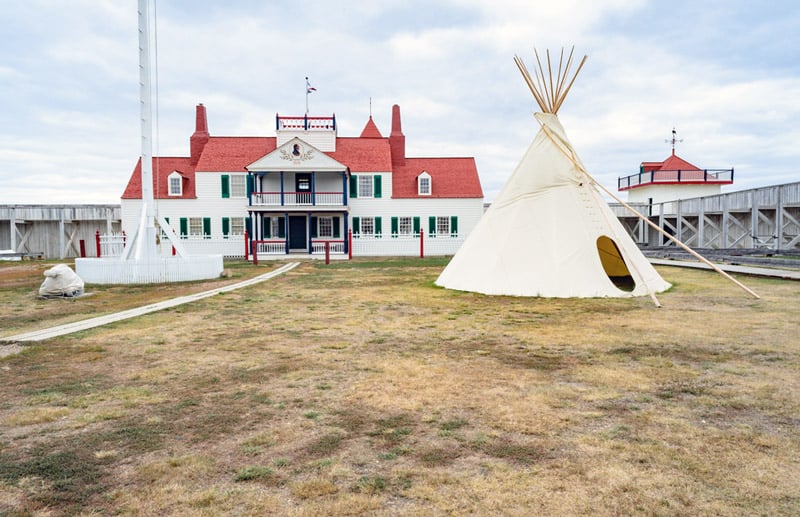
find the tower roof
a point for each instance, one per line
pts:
(371, 130)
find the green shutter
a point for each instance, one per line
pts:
(184, 226)
(226, 226)
(417, 225)
(431, 225)
(281, 227)
(395, 226)
(454, 225)
(336, 232)
(314, 232)
(206, 227)
(226, 186)
(354, 186)
(376, 183)
(250, 184)
(378, 226)
(266, 229)
(356, 225)
(247, 227)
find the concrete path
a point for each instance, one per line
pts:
(787, 274)
(69, 328)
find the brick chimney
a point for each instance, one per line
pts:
(200, 136)
(397, 140)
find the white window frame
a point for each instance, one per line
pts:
(367, 226)
(275, 227)
(195, 228)
(175, 179)
(442, 225)
(424, 184)
(405, 225)
(236, 226)
(366, 186)
(238, 185)
(325, 227)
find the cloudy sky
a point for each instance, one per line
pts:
(724, 73)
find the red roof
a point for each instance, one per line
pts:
(370, 152)
(673, 163)
(233, 153)
(162, 168)
(363, 154)
(371, 130)
(450, 178)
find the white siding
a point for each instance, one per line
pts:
(661, 193)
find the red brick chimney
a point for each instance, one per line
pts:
(397, 140)
(200, 137)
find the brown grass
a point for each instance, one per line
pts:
(361, 388)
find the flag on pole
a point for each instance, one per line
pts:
(309, 89)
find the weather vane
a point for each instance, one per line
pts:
(674, 140)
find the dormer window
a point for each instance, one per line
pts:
(424, 184)
(175, 183)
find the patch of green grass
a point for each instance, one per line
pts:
(392, 429)
(512, 451)
(254, 473)
(452, 425)
(71, 476)
(326, 445)
(370, 485)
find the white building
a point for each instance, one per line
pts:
(671, 179)
(306, 186)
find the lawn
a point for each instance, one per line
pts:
(362, 388)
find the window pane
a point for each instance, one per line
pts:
(325, 228)
(196, 226)
(368, 225)
(405, 226)
(237, 225)
(424, 185)
(175, 186)
(442, 225)
(238, 185)
(365, 185)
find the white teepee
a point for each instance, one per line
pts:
(549, 232)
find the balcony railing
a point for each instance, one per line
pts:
(297, 199)
(306, 123)
(711, 176)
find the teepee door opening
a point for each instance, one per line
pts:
(613, 264)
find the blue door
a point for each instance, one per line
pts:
(297, 232)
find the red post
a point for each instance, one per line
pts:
(327, 252)
(255, 253)
(246, 246)
(350, 244)
(83, 248)
(174, 251)
(97, 242)
(421, 243)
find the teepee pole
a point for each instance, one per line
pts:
(678, 242)
(652, 224)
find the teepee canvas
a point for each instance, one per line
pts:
(549, 232)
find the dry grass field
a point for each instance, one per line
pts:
(360, 388)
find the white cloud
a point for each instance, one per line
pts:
(726, 77)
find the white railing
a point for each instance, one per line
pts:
(270, 247)
(335, 247)
(405, 245)
(111, 245)
(297, 198)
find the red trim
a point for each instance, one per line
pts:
(677, 183)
